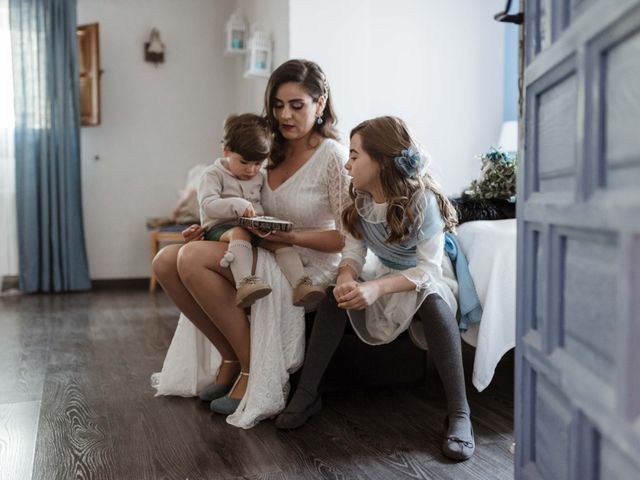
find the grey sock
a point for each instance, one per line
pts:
(443, 336)
(290, 264)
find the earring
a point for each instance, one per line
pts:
(319, 121)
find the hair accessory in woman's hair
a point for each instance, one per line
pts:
(409, 162)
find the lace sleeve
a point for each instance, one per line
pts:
(430, 252)
(338, 185)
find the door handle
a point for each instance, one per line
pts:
(517, 18)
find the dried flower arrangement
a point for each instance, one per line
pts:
(498, 177)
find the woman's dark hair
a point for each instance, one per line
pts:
(248, 135)
(313, 79)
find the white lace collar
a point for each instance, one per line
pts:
(369, 210)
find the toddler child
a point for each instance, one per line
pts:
(229, 189)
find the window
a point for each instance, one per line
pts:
(8, 231)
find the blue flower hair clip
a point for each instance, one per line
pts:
(409, 162)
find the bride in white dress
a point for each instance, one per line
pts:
(306, 184)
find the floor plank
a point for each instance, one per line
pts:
(73, 438)
(79, 366)
(24, 351)
(18, 429)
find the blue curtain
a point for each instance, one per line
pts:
(51, 243)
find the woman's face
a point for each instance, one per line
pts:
(364, 171)
(295, 110)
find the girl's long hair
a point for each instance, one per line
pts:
(314, 81)
(383, 139)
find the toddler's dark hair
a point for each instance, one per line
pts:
(248, 135)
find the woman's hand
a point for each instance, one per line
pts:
(277, 236)
(359, 297)
(284, 237)
(194, 232)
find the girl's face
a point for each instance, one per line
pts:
(295, 110)
(364, 171)
(241, 168)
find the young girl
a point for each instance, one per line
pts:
(231, 188)
(400, 215)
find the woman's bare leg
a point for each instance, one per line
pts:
(165, 266)
(212, 286)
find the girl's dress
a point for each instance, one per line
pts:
(421, 259)
(313, 199)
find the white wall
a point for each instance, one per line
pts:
(156, 122)
(273, 17)
(438, 65)
(338, 38)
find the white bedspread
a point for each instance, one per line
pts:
(490, 247)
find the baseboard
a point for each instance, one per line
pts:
(121, 284)
(10, 282)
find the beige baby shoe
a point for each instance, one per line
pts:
(307, 293)
(249, 290)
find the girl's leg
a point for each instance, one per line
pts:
(212, 287)
(327, 331)
(443, 336)
(165, 266)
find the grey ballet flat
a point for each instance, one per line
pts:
(290, 420)
(455, 448)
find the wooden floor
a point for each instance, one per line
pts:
(76, 403)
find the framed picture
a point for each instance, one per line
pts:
(89, 66)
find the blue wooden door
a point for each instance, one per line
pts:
(578, 316)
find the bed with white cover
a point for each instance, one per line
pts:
(490, 248)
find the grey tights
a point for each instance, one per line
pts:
(441, 330)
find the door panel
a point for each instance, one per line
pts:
(578, 312)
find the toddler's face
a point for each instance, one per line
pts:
(241, 168)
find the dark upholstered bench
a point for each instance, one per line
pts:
(356, 365)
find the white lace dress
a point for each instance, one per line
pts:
(312, 198)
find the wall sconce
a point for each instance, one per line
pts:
(154, 48)
(235, 35)
(259, 54)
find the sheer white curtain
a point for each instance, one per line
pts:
(8, 230)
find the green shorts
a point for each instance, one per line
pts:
(216, 232)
